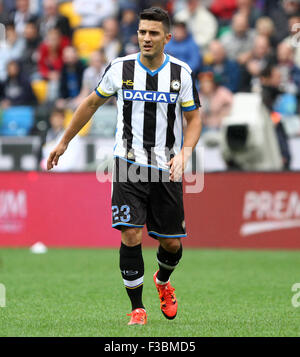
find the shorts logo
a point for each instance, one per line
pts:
(149, 96)
(175, 85)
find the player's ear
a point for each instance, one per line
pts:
(168, 38)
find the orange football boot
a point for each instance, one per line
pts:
(138, 317)
(168, 302)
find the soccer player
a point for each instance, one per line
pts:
(150, 154)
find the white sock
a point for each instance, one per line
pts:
(161, 282)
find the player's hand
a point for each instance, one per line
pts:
(176, 167)
(178, 164)
(55, 154)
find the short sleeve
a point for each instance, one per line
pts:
(189, 98)
(108, 83)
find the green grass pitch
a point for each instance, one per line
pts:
(79, 292)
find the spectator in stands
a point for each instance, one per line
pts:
(128, 29)
(111, 40)
(3, 14)
(12, 49)
(29, 58)
(56, 121)
(93, 12)
(223, 10)
(201, 22)
(250, 10)
(265, 27)
(216, 101)
(132, 3)
(71, 77)
(74, 158)
(16, 90)
(287, 103)
(36, 7)
(183, 47)
(270, 79)
(280, 15)
(145, 4)
(267, 5)
(91, 75)
(21, 15)
(239, 41)
(290, 73)
(294, 36)
(51, 18)
(226, 72)
(261, 57)
(9, 5)
(50, 61)
(50, 54)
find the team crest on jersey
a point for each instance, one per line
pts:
(149, 96)
(130, 155)
(175, 85)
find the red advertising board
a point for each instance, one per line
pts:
(61, 209)
(233, 210)
(246, 210)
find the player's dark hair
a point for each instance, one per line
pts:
(157, 14)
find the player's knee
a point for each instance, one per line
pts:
(131, 236)
(171, 245)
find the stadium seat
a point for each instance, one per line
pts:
(68, 116)
(40, 89)
(87, 40)
(104, 121)
(17, 121)
(67, 9)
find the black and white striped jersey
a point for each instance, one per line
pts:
(150, 104)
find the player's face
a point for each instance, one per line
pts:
(152, 38)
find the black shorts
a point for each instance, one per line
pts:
(138, 200)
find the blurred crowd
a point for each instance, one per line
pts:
(53, 53)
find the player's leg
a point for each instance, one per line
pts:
(132, 265)
(165, 222)
(129, 216)
(132, 270)
(168, 255)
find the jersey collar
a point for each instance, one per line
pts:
(153, 73)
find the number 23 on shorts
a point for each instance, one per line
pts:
(122, 214)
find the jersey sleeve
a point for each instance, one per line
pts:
(107, 86)
(189, 98)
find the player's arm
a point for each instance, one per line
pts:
(191, 137)
(81, 116)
